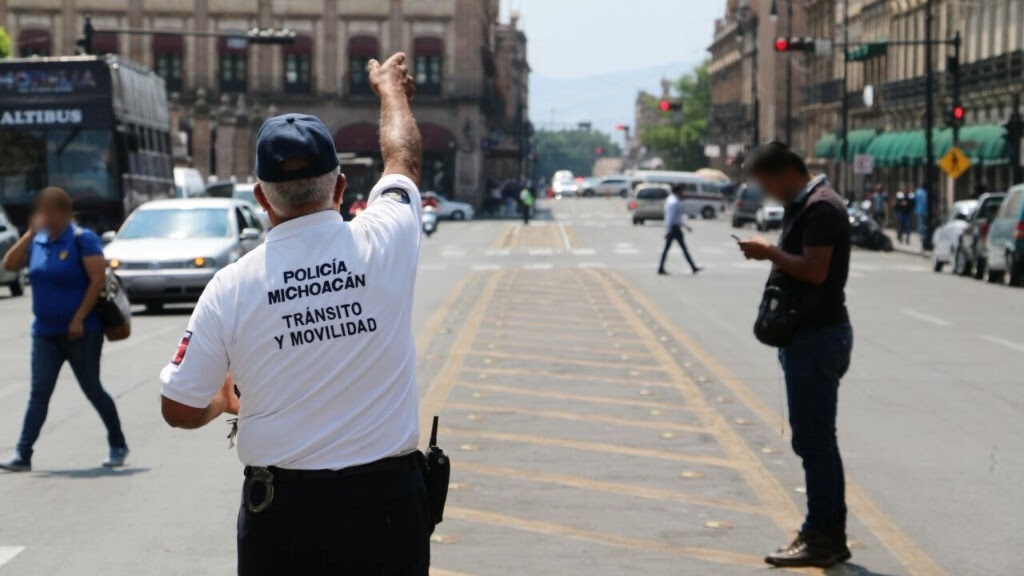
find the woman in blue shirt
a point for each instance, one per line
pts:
(67, 270)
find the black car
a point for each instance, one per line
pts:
(971, 257)
(748, 200)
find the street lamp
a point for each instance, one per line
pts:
(744, 14)
(773, 13)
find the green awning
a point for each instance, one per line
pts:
(887, 148)
(826, 146)
(856, 143)
(985, 144)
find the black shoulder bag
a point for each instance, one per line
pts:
(113, 306)
(784, 304)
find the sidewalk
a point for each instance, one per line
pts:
(914, 248)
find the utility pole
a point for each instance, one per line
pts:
(789, 76)
(929, 125)
(840, 172)
(1014, 134)
(953, 69)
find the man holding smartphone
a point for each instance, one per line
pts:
(813, 258)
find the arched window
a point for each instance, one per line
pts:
(427, 70)
(298, 65)
(361, 49)
(234, 65)
(34, 42)
(168, 59)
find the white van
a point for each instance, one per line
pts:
(701, 197)
(188, 183)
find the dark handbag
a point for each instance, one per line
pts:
(113, 307)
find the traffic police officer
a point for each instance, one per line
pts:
(315, 327)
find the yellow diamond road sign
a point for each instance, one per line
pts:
(955, 163)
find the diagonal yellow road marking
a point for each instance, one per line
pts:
(520, 391)
(890, 535)
(578, 417)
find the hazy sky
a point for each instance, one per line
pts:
(571, 38)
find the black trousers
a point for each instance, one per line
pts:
(373, 524)
(676, 235)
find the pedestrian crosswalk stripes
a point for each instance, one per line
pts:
(7, 553)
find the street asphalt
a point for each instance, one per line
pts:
(602, 420)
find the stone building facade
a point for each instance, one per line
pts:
(888, 125)
(471, 101)
(748, 78)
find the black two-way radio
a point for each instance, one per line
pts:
(438, 473)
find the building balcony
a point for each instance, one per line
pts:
(828, 92)
(908, 92)
(995, 73)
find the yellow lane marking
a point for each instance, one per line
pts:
(637, 382)
(572, 397)
(504, 240)
(437, 393)
(440, 572)
(609, 487)
(552, 357)
(600, 447)
(890, 535)
(603, 348)
(551, 529)
(768, 488)
(567, 326)
(436, 320)
(576, 417)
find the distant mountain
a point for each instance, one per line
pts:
(604, 100)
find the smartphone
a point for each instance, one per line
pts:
(736, 238)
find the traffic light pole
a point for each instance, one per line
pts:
(789, 76)
(843, 148)
(254, 36)
(929, 126)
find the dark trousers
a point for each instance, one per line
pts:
(676, 235)
(904, 226)
(526, 213)
(813, 363)
(373, 524)
(48, 356)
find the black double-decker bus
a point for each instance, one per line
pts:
(96, 127)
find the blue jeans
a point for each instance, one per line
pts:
(48, 356)
(813, 363)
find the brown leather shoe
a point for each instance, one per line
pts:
(808, 550)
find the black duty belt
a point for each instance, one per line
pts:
(266, 476)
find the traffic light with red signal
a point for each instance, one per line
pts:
(955, 117)
(599, 151)
(794, 44)
(669, 106)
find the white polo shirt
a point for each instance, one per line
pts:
(315, 326)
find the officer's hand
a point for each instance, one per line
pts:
(391, 77)
(227, 397)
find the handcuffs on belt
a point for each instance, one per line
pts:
(258, 475)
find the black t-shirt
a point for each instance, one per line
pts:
(823, 222)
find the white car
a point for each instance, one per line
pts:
(609, 186)
(769, 215)
(946, 238)
(169, 250)
(450, 209)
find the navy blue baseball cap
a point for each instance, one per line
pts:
(294, 147)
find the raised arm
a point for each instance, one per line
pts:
(400, 142)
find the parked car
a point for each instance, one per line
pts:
(769, 215)
(1005, 245)
(219, 189)
(748, 200)
(946, 238)
(971, 256)
(649, 203)
(14, 281)
(169, 250)
(866, 232)
(450, 209)
(608, 186)
(246, 192)
(188, 183)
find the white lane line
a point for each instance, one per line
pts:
(591, 265)
(542, 266)
(486, 267)
(565, 236)
(499, 252)
(584, 252)
(7, 553)
(925, 317)
(1003, 342)
(541, 252)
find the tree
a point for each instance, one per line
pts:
(5, 44)
(679, 137)
(574, 150)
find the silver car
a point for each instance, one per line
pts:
(169, 250)
(14, 281)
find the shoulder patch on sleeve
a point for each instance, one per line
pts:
(179, 355)
(396, 194)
